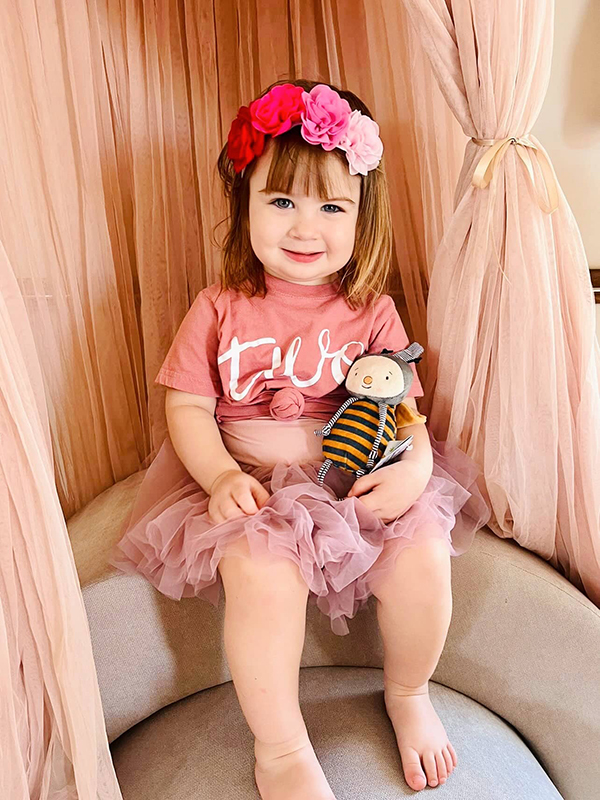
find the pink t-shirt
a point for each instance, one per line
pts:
(284, 355)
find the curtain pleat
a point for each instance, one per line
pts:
(53, 742)
(513, 355)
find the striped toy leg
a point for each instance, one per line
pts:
(324, 470)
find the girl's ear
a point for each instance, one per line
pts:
(410, 354)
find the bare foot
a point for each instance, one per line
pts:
(420, 735)
(290, 771)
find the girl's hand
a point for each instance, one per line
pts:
(235, 493)
(390, 491)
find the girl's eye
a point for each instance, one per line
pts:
(281, 200)
(287, 200)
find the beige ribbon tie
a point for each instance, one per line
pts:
(488, 162)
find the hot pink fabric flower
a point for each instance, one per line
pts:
(362, 144)
(278, 110)
(326, 118)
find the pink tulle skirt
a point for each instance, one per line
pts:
(341, 548)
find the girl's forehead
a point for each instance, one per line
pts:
(336, 176)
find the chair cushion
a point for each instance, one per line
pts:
(201, 747)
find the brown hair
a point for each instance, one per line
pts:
(364, 278)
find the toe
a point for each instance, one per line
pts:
(430, 768)
(441, 767)
(413, 772)
(453, 754)
(448, 760)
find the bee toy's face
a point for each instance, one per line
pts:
(376, 377)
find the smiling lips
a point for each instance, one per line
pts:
(302, 256)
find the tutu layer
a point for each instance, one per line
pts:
(338, 545)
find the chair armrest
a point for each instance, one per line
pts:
(525, 643)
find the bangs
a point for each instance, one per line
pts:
(301, 168)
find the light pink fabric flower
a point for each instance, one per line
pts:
(326, 118)
(362, 144)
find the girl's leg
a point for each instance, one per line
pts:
(265, 621)
(414, 610)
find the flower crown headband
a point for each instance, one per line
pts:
(325, 117)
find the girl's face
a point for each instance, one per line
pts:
(300, 223)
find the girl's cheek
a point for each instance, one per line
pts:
(346, 236)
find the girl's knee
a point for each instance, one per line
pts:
(431, 553)
(240, 548)
(422, 569)
(268, 574)
(426, 561)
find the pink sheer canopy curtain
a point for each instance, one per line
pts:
(52, 736)
(514, 359)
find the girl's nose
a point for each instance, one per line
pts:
(304, 235)
(368, 380)
(304, 228)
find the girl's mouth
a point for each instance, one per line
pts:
(301, 256)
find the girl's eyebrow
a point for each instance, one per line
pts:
(327, 200)
(347, 199)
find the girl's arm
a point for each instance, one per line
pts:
(421, 456)
(196, 437)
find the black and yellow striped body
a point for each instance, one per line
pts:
(353, 435)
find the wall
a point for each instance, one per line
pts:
(569, 122)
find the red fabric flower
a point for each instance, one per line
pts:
(278, 110)
(244, 142)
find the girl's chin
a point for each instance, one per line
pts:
(301, 274)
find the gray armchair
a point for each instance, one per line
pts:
(517, 686)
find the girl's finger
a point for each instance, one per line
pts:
(245, 501)
(230, 509)
(370, 501)
(260, 493)
(362, 485)
(215, 514)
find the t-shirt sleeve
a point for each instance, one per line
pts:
(389, 333)
(191, 363)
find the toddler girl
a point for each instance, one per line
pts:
(255, 368)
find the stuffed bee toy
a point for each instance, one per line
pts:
(357, 435)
